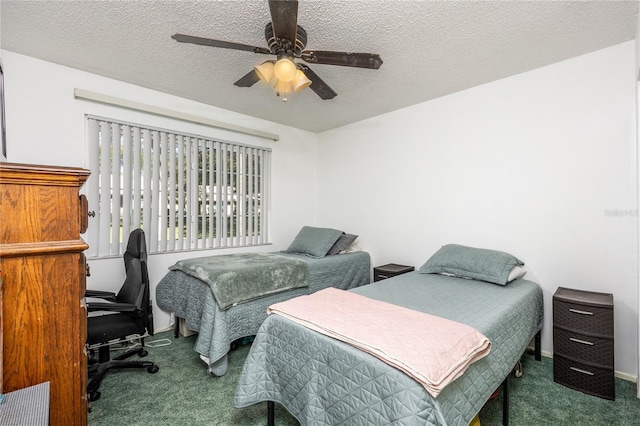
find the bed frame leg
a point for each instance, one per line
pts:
(271, 413)
(538, 347)
(176, 331)
(505, 401)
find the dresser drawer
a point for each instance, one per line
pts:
(583, 347)
(583, 377)
(592, 320)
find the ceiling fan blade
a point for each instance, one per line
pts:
(317, 84)
(182, 38)
(347, 59)
(284, 17)
(248, 79)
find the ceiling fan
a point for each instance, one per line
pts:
(287, 40)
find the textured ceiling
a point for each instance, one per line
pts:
(429, 48)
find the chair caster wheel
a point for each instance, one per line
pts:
(94, 396)
(142, 353)
(153, 369)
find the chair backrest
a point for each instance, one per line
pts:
(136, 246)
(135, 289)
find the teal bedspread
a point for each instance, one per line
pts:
(323, 381)
(239, 278)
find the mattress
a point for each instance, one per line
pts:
(322, 381)
(191, 299)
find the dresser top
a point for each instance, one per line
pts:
(584, 297)
(30, 174)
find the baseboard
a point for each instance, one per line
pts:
(184, 331)
(627, 377)
(170, 327)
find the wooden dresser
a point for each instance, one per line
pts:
(583, 357)
(43, 282)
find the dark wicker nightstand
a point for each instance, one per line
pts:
(390, 270)
(583, 341)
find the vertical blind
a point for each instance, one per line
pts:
(185, 191)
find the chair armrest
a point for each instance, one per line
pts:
(111, 307)
(107, 295)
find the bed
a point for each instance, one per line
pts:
(322, 380)
(191, 299)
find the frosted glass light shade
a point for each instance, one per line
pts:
(283, 88)
(265, 71)
(301, 81)
(285, 70)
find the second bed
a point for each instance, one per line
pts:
(191, 299)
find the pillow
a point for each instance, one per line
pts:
(516, 273)
(343, 243)
(314, 242)
(479, 264)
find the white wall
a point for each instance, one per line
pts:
(637, 70)
(541, 165)
(45, 125)
(637, 44)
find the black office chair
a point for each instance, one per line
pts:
(128, 313)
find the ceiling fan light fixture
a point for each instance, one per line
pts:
(300, 82)
(283, 89)
(287, 41)
(265, 71)
(285, 69)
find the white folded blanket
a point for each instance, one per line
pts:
(432, 350)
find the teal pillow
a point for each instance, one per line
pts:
(467, 262)
(314, 242)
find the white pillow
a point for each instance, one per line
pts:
(516, 273)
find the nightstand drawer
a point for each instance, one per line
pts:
(586, 348)
(583, 377)
(583, 318)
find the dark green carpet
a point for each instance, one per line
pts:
(182, 393)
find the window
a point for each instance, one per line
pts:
(187, 192)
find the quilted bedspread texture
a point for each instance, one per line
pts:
(322, 381)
